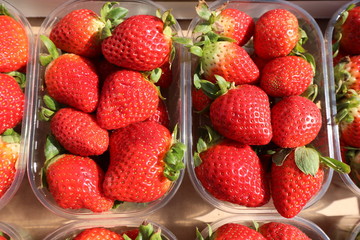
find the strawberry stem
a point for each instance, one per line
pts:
(335, 164)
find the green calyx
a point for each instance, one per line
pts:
(209, 236)
(54, 52)
(213, 90)
(173, 158)
(345, 108)
(51, 107)
(4, 11)
(209, 137)
(111, 16)
(308, 160)
(146, 232)
(10, 136)
(19, 77)
(342, 77)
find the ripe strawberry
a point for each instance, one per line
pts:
(230, 61)
(286, 76)
(72, 80)
(243, 114)
(14, 44)
(200, 100)
(139, 170)
(12, 102)
(79, 133)
(9, 155)
(126, 97)
(80, 31)
(281, 231)
(75, 182)
(161, 115)
(349, 29)
(276, 33)
(141, 42)
(296, 121)
(230, 22)
(98, 233)
(232, 172)
(291, 188)
(233, 231)
(2, 237)
(346, 74)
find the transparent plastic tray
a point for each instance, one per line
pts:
(24, 147)
(13, 231)
(174, 100)
(316, 46)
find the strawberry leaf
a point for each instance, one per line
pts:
(19, 77)
(311, 92)
(307, 160)
(4, 11)
(202, 28)
(203, 11)
(10, 136)
(196, 50)
(173, 158)
(335, 164)
(53, 51)
(279, 157)
(52, 148)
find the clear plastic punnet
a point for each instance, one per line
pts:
(330, 62)
(14, 231)
(73, 228)
(313, 231)
(23, 128)
(315, 45)
(175, 102)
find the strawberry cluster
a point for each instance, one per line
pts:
(110, 138)
(254, 94)
(264, 231)
(14, 48)
(346, 61)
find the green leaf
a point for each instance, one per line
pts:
(335, 164)
(198, 235)
(307, 160)
(19, 77)
(4, 11)
(196, 50)
(311, 92)
(51, 103)
(202, 28)
(52, 148)
(279, 157)
(203, 11)
(155, 75)
(53, 51)
(187, 42)
(11, 136)
(117, 204)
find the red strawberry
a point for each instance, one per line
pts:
(232, 172)
(161, 115)
(349, 120)
(138, 170)
(14, 44)
(141, 42)
(276, 33)
(230, 61)
(291, 188)
(79, 133)
(233, 231)
(346, 74)
(9, 155)
(296, 121)
(126, 97)
(230, 22)
(286, 76)
(350, 40)
(72, 80)
(75, 182)
(2, 237)
(80, 31)
(200, 100)
(243, 114)
(12, 102)
(281, 231)
(98, 233)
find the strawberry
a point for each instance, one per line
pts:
(296, 121)
(233, 231)
(292, 187)
(166, 77)
(126, 97)
(348, 26)
(281, 231)
(200, 100)
(231, 23)
(141, 42)
(12, 102)
(9, 156)
(346, 74)
(72, 80)
(276, 33)
(161, 115)
(243, 114)
(14, 43)
(80, 31)
(75, 182)
(79, 133)
(231, 172)
(2, 237)
(139, 170)
(98, 233)
(286, 76)
(230, 61)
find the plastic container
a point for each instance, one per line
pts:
(309, 228)
(328, 40)
(315, 45)
(73, 228)
(174, 95)
(24, 147)
(14, 232)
